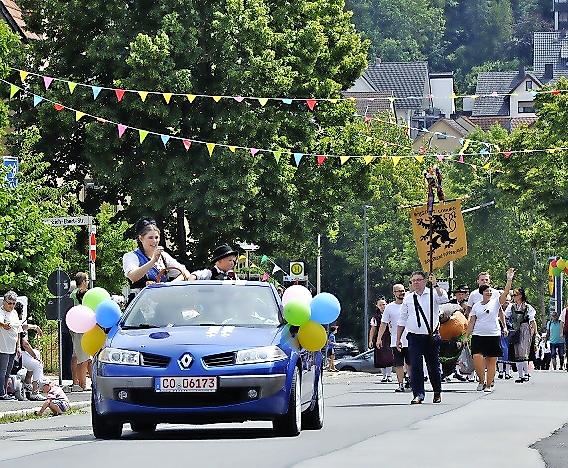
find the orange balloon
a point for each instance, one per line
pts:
(453, 328)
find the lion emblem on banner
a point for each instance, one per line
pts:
(440, 232)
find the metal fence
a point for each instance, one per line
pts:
(48, 344)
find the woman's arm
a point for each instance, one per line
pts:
(138, 273)
(470, 324)
(505, 293)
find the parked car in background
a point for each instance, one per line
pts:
(363, 362)
(345, 347)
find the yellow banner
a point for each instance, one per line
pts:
(449, 241)
(550, 280)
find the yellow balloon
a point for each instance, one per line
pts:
(312, 336)
(561, 263)
(242, 258)
(93, 340)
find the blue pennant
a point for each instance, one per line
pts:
(37, 99)
(287, 101)
(298, 158)
(165, 139)
(96, 91)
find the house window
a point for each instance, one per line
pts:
(529, 85)
(526, 107)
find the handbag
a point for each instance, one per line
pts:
(465, 361)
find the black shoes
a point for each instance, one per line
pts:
(399, 389)
(437, 398)
(417, 401)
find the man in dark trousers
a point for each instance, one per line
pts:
(423, 337)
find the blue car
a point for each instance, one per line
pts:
(205, 352)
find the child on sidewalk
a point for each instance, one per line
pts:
(56, 401)
(330, 349)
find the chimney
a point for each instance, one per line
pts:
(548, 71)
(522, 71)
(377, 60)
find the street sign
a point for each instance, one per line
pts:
(68, 221)
(12, 164)
(297, 270)
(51, 308)
(59, 283)
(292, 279)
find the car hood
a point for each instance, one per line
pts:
(228, 337)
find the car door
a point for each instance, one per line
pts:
(368, 362)
(308, 374)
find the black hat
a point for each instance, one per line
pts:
(464, 288)
(222, 251)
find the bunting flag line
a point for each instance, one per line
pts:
(278, 153)
(310, 102)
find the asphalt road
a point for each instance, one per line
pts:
(366, 422)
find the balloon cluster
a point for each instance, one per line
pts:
(310, 314)
(558, 266)
(97, 312)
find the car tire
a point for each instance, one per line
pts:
(348, 368)
(143, 427)
(313, 418)
(290, 424)
(103, 428)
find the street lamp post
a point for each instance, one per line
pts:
(365, 275)
(248, 247)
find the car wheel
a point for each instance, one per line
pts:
(103, 428)
(143, 427)
(348, 368)
(290, 424)
(313, 418)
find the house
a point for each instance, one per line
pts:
(12, 14)
(551, 55)
(560, 9)
(445, 135)
(412, 86)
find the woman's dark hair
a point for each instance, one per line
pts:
(483, 288)
(143, 226)
(522, 293)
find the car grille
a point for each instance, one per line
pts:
(222, 397)
(216, 360)
(154, 360)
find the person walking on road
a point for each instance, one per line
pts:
(485, 332)
(554, 335)
(382, 355)
(423, 337)
(482, 279)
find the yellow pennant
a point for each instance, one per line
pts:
(143, 134)
(210, 148)
(263, 101)
(487, 166)
(23, 75)
(368, 159)
(277, 155)
(71, 86)
(551, 150)
(333, 101)
(143, 95)
(232, 149)
(216, 98)
(79, 115)
(13, 90)
(343, 159)
(167, 97)
(420, 159)
(190, 97)
(395, 160)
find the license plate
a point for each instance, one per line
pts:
(185, 384)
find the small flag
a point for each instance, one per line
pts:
(165, 139)
(121, 130)
(58, 107)
(210, 148)
(96, 91)
(277, 155)
(239, 98)
(190, 97)
(71, 86)
(232, 149)
(262, 101)
(298, 158)
(253, 151)
(395, 160)
(142, 134)
(320, 160)
(79, 115)
(368, 159)
(47, 80)
(216, 98)
(186, 144)
(13, 90)
(143, 95)
(23, 75)
(119, 94)
(167, 97)
(420, 159)
(287, 101)
(344, 159)
(276, 268)
(37, 99)
(311, 103)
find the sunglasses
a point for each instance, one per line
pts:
(400, 291)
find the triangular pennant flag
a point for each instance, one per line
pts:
(298, 158)
(311, 103)
(186, 144)
(79, 115)
(440, 157)
(276, 268)
(232, 149)
(460, 160)
(420, 159)
(121, 130)
(119, 94)
(320, 159)
(13, 90)
(487, 166)
(395, 160)
(277, 155)
(37, 99)
(263, 259)
(216, 98)
(190, 97)
(210, 148)
(96, 91)
(263, 101)
(333, 101)
(142, 134)
(58, 107)
(71, 86)
(344, 159)
(551, 150)
(253, 151)
(483, 151)
(238, 98)
(143, 95)
(167, 97)
(507, 154)
(23, 75)
(287, 101)
(555, 92)
(165, 139)
(368, 159)
(47, 80)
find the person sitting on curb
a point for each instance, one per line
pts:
(224, 259)
(56, 401)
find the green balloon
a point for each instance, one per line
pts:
(556, 271)
(93, 297)
(297, 313)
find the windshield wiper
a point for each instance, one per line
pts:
(140, 325)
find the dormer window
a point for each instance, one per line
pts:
(528, 85)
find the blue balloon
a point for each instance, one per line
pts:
(325, 308)
(108, 313)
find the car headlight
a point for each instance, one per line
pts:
(119, 356)
(264, 354)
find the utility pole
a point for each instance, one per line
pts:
(318, 278)
(365, 276)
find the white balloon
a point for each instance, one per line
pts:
(297, 293)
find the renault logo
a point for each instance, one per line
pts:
(185, 361)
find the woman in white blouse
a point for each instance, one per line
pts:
(9, 344)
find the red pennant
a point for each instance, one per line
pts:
(119, 94)
(507, 154)
(58, 107)
(555, 92)
(311, 103)
(320, 160)
(186, 144)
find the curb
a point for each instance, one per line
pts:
(30, 411)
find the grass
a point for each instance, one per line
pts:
(17, 417)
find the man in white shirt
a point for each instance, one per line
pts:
(390, 318)
(224, 259)
(421, 324)
(476, 296)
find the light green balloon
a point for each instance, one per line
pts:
(556, 271)
(93, 297)
(297, 313)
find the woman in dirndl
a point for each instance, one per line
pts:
(521, 315)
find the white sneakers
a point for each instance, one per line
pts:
(480, 386)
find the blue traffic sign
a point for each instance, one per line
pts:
(12, 164)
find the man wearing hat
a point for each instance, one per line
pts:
(224, 259)
(461, 294)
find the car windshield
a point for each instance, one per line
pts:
(203, 305)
